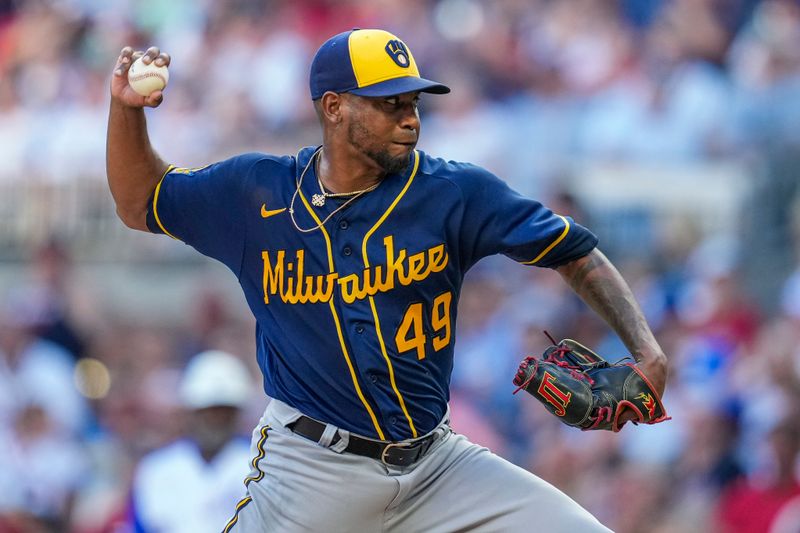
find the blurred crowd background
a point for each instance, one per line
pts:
(669, 127)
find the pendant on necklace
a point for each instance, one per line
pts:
(318, 200)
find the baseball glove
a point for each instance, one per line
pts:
(586, 391)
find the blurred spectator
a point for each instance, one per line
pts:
(51, 270)
(765, 63)
(41, 471)
(32, 369)
(750, 506)
(707, 465)
(193, 484)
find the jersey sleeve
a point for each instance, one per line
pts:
(203, 208)
(499, 220)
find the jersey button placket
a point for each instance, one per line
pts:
(343, 224)
(347, 251)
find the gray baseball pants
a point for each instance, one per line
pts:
(299, 485)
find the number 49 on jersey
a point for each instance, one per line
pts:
(411, 333)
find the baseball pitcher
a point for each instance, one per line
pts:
(351, 256)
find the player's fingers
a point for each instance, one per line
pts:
(123, 61)
(126, 52)
(150, 55)
(136, 55)
(162, 60)
(154, 99)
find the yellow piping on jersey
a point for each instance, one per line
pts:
(239, 506)
(372, 300)
(155, 203)
(254, 464)
(553, 244)
(338, 325)
(262, 452)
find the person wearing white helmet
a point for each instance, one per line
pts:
(187, 486)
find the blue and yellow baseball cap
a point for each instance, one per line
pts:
(367, 63)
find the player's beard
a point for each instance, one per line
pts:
(359, 137)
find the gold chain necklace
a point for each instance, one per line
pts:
(355, 194)
(318, 200)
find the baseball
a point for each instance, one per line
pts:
(144, 79)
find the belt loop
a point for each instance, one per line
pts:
(282, 413)
(327, 435)
(344, 441)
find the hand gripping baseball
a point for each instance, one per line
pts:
(121, 89)
(586, 391)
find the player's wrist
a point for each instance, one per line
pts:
(655, 370)
(126, 110)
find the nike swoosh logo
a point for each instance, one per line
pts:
(266, 214)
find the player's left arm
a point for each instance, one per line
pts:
(530, 233)
(595, 279)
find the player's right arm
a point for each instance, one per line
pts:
(132, 166)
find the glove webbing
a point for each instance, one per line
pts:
(555, 357)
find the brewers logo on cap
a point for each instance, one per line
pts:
(367, 63)
(397, 51)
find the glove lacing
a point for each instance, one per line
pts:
(556, 357)
(604, 414)
(523, 377)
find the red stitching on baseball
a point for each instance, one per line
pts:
(143, 75)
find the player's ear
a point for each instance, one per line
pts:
(331, 108)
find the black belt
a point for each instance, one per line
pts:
(401, 453)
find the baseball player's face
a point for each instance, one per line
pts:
(385, 129)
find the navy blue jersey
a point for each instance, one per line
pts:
(356, 320)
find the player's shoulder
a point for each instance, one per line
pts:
(465, 176)
(260, 160)
(239, 165)
(264, 164)
(256, 158)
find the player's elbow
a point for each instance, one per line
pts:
(133, 218)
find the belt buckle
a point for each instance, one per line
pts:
(400, 445)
